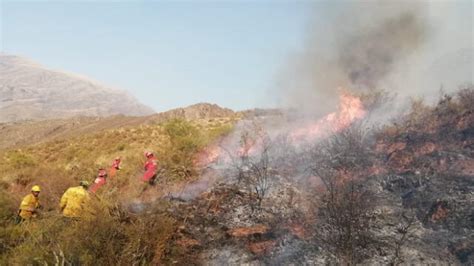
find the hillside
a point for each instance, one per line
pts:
(400, 194)
(62, 162)
(231, 192)
(18, 134)
(30, 91)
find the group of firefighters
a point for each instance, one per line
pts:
(75, 198)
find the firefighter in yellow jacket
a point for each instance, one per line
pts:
(74, 200)
(30, 204)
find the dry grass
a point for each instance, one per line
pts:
(112, 235)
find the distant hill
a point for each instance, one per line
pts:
(259, 112)
(22, 133)
(196, 111)
(29, 91)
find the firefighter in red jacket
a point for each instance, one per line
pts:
(115, 167)
(99, 181)
(151, 167)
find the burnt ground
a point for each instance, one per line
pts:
(225, 226)
(430, 172)
(422, 179)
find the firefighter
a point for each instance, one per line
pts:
(99, 181)
(115, 167)
(30, 204)
(74, 200)
(151, 166)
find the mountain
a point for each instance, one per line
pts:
(29, 91)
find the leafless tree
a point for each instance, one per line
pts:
(403, 229)
(255, 169)
(344, 211)
(253, 163)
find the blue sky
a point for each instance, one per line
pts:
(168, 54)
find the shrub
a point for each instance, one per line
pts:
(219, 131)
(343, 225)
(177, 157)
(466, 97)
(19, 159)
(109, 235)
(255, 166)
(7, 207)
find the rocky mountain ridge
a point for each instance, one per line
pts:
(29, 91)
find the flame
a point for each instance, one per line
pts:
(214, 153)
(350, 109)
(208, 156)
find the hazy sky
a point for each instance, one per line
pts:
(167, 53)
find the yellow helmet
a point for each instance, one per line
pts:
(84, 184)
(36, 189)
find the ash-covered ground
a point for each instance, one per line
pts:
(399, 193)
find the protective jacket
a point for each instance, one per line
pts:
(28, 206)
(98, 183)
(151, 166)
(73, 201)
(114, 168)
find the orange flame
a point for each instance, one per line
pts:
(208, 156)
(350, 109)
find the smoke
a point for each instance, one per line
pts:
(379, 45)
(365, 58)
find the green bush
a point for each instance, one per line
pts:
(185, 140)
(219, 131)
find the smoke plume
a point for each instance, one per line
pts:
(365, 58)
(379, 45)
